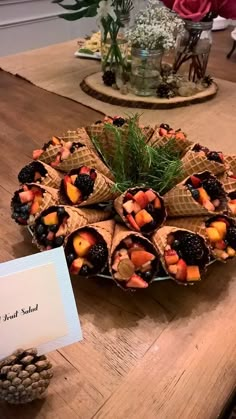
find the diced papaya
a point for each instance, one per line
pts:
(143, 217)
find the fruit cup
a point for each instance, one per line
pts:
(29, 201)
(141, 209)
(134, 260)
(163, 134)
(88, 249)
(219, 231)
(85, 186)
(41, 173)
(184, 254)
(199, 159)
(199, 194)
(57, 222)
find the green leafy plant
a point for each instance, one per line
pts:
(137, 164)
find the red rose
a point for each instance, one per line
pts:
(194, 10)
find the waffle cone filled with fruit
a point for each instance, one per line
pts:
(88, 248)
(134, 260)
(199, 194)
(86, 186)
(48, 153)
(184, 254)
(79, 135)
(164, 134)
(199, 159)
(57, 222)
(228, 179)
(30, 200)
(141, 209)
(39, 172)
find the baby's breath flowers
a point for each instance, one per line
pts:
(155, 28)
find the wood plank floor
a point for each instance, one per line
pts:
(165, 353)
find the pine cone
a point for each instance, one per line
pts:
(165, 91)
(109, 78)
(24, 376)
(207, 81)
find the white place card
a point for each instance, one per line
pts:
(37, 306)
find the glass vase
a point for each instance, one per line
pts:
(193, 47)
(114, 49)
(145, 71)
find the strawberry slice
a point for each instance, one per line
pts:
(132, 222)
(85, 170)
(56, 162)
(26, 196)
(163, 132)
(196, 182)
(37, 154)
(128, 196)
(136, 281)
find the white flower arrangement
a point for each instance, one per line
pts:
(155, 28)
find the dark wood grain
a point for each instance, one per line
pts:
(166, 353)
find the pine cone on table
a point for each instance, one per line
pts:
(24, 376)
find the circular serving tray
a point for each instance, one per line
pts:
(93, 86)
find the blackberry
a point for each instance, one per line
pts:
(70, 258)
(197, 148)
(98, 254)
(46, 145)
(164, 91)
(213, 188)
(61, 211)
(195, 194)
(75, 146)
(191, 248)
(147, 276)
(26, 175)
(59, 241)
(119, 122)
(84, 270)
(85, 184)
(214, 156)
(109, 78)
(231, 237)
(40, 229)
(53, 228)
(165, 126)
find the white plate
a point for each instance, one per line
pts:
(95, 56)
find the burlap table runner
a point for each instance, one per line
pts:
(55, 69)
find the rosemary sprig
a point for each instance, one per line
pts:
(134, 163)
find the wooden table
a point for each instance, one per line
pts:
(165, 353)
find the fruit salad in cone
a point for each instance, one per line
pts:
(142, 209)
(232, 203)
(85, 186)
(165, 133)
(87, 249)
(221, 233)
(134, 261)
(39, 172)
(49, 151)
(199, 159)
(57, 222)
(184, 254)
(28, 202)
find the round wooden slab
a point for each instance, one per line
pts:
(93, 86)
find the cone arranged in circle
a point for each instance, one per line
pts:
(73, 219)
(180, 203)
(196, 162)
(83, 156)
(103, 191)
(104, 229)
(158, 141)
(52, 178)
(79, 135)
(159, 240)
(24, 376)
(121, 233)
(118, 204)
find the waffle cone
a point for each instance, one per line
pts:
(52, 179)
(159, 240)
(230, 162)
(228, 183)
(180, 203)
(195, 224)
(120, 233)
(194, 162)
(83, 156)
(79, 135)
(118, 204)
(50, 154)
(157, 141)
(102, 192)
(50, 197)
